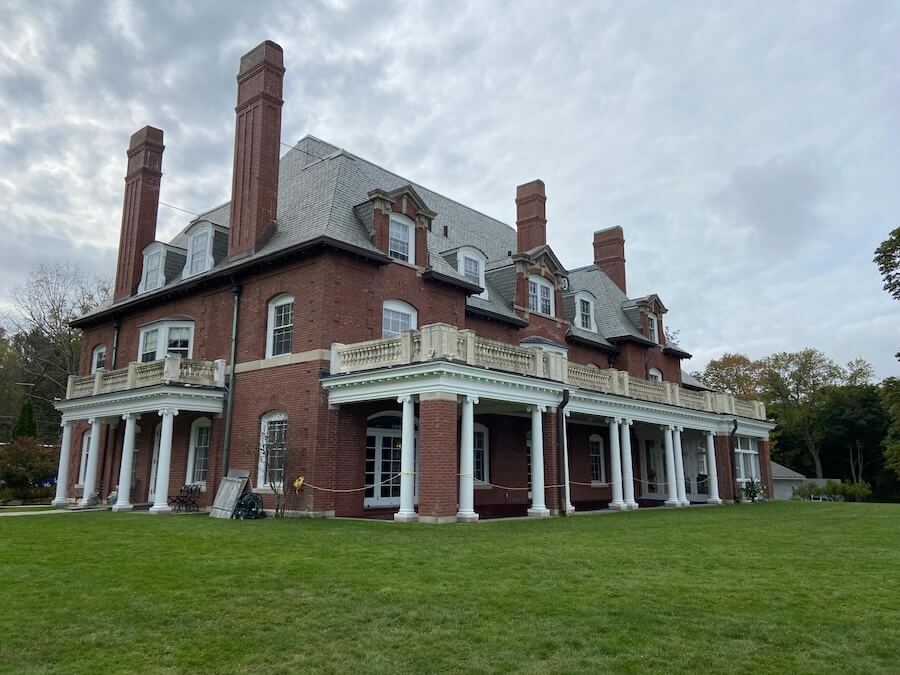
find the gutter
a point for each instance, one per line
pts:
(431, 275)
(496, 316)
(229, 392)
(561, 442)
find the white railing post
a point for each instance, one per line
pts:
(171, 367)
(613, 375)
(98, 381)
(626, 389)
(405, 346)
(131, 378)
(219, 378)
(70, 386)
(336, 364)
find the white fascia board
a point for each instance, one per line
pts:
(144, 400)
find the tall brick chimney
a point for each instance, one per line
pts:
(531, 216)
(257, 140)
(140, 207)
(609, 254)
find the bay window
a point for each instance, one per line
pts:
(166, 337)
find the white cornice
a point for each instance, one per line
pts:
(144, 400)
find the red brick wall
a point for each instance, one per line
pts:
(765, 466)
(438, 458)
(580, 466)
(725, 466)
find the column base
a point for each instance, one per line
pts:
(469, 517)
(539, 512)
(685, 503)
(60, 503)
(618, 506)
(405, 517)
(632, 506)
(161, 509)
(122, 507)
(437, 520)
(672, 502)
(715, 501)
(86, 503)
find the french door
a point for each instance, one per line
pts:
(151, 492)
(383, 450)
(654, 462)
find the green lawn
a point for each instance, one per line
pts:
(765, 588)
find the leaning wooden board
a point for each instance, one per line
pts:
(230, 490)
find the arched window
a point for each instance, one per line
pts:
(273, 436)
(402, 238)
(85, 449)
(198, 452)
(655, 375)
(584, 311)
(397, 317)
(481, 443)
(598, 459)
(541, 296)
(470, 263)
(98, 358)
(199, 251)
(280, 331)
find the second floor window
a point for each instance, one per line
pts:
(397, 317)
(166, 337)
(655, 375)
(149, 341)
(281, 326)
(179, 341)
(98, 358)
(401, 244)
(540, 296)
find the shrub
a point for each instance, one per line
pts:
(24, 463)
(7, 494)
(752, 489)
(857, 492)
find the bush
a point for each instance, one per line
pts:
(7, 494)
(24, 463)
(753, 489)
(856, 492)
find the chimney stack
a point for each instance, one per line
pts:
(139, 209)
(609, 254)
(257, 148)
(531, 216)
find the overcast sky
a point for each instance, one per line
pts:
(750, 150)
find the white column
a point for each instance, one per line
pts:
(538, 506)
(62, 475)
(407, 512)
(671, 490)
(123, 500)
(90, 475)
(466, 513)
(679, 468)
(161, 498)
(565, 441)
(712, 469)
(627, 468)
(615, 464)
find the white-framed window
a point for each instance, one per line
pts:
(199, 253)
(273, 436)
(98, 358)
(280, 333)
(540, 296)
(85, 450)
(598, 459)
(746, 459)
(198, 452)
(397, 317)
(402, 238)
(153, 275)
(470, 262)
(166, 337)
(584, 311)
(701, 461)
(481, 443)
(655, 375)
(653, 327)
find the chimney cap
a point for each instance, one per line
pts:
(265, 52)
(531, 189)
(614, 230)
(146, 135)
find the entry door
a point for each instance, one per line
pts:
(151, 494)
(655, 470)
(383, 450)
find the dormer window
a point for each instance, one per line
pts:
(402, 242)
(98, 358)
(470, 263)
(199, 251)
(540, 296)
(652, 327)
(584, 311)
(153, 270)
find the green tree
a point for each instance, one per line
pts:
(24, 462)
(26, 424)
(852, 422)
(887, 258)
(890, 397)
(734, 374)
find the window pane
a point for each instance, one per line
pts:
(276, 430)
(199, 245)
(394, 322)
(585, 311)
(596, 460)
(283, 328)
(545, 300)
(532, 296)
(399, 241)
(179, 341)
(472, 270)
(479, 456)
(148, 351)
(201, 455)
(151, 279)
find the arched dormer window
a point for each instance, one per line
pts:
(98, 358)
(153, 273)
(280, 331)
(272, 449)
(470, 263)
(402, 238)
(198, 452)
(541, 296)
(598, 459)
(584, 311)
(199, 251)
(397, 317)
(655, 375)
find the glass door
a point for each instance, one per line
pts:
(382, 468)
(151, 493)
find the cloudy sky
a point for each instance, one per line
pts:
(750, 150)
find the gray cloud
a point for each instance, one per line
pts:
(749, 151)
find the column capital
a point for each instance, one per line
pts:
(168, 411)
(537, 408)
(404, 399)
(133, 416)
(471, 399)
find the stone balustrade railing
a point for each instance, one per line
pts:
(173, 369)
(446, 342)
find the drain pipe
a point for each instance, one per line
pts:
(117, 324)
(732, 438)
(229, 403)
(561, 442)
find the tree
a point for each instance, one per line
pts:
(23, 463)
(890, 398)
(852, 422)
(26, 424)
(10, 389)
(734, 374)
(887, 258)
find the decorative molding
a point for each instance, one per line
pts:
(283, 360)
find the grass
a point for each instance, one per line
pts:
(766, 588)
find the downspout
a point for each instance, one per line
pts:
(561, 445)
(229, 391)
(732, 438)
(117, 324)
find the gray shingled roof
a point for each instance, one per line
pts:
(780, 472)
(612, 322)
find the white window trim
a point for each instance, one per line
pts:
(655, 372)
(208, 257)
(598, 438)
(274, 416)
(482, 484)
(85, 449)
(587, 297)
(189, 471)
(479, 257)
(402, 307)
(160, 280)
(162, 341)
(400, 218)
(99, 349)
(752, 449)
(278, 301)
(541, 281)
(653, 326)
